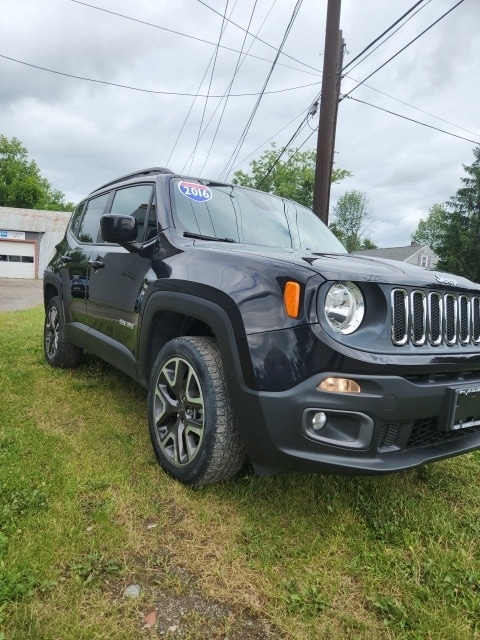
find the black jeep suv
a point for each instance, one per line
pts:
(259, 337)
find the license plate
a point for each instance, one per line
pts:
(463, 408)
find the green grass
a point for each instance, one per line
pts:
(85, 511)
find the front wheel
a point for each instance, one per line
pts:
(59, 351)
(192, 425)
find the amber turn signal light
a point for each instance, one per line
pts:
(291, 298)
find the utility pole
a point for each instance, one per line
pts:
(332, 64)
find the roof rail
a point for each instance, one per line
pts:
(136, 174)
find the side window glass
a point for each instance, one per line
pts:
(134, 201)
(77, 218)
(89, 226)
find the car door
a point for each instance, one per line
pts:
(117, 277)
(75, 254)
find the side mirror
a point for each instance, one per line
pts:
(118, 229)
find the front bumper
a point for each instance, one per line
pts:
(394, 424)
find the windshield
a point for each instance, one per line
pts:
(248, 217)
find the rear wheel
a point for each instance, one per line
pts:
(192, 425)
(59, 351)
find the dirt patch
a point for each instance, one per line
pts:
(174, 607)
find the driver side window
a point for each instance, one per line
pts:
(134, 201)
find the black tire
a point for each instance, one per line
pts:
(192, 425)
(59, 351)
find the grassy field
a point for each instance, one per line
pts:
(86, 511)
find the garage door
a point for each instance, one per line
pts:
(17, 259)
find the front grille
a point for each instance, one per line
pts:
(389, 435)
(435, 318)
(425, 432)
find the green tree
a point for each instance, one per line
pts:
(290, 177)
(430, 230)
(459, 249)
(352, 221)
(21, 184)
(368, 244)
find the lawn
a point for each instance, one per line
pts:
(85, 511)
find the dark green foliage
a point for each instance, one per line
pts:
(291, 177)
(459, 249)
(21, 184)
(351, 221)
(430, 230)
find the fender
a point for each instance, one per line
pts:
(231, 340)
(51, 281)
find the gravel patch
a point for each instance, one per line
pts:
(18, 293)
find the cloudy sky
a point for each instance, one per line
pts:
(142, 62)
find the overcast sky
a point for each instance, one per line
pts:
(84, 133)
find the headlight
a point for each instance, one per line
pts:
(344, 307)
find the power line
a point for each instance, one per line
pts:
(186, 35)
(261, 146)
(239, 145)
(429, 126)
(153, 91)
(284, 149)
(239, 63)
(251, 34)
(411, 106)
(402, 49)
(188, 113)
(190, 109)
(222, 29)
(369, 46)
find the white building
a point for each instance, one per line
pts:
(27, 240)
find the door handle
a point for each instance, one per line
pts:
(97, 264)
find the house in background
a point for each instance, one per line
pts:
(420, 255)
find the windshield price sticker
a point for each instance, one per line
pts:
(195, 191)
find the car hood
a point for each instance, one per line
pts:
(344, 266)
(369, 269)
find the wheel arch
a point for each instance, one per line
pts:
(169, 315)
(51, 288)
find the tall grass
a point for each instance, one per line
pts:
(85, 511)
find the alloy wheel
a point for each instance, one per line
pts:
(179, 412)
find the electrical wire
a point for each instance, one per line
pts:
(222, 29)
(188, 113)
(262, 146)
(311, 112)
(429, 126)
(251, 34)
(239, 63)
(239, 145)
(190, 110)
(411, 106)
(313, 70)
(154, 91)
(369, 46)
(402, 49)
(284, 149)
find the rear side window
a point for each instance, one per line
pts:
(86, 226)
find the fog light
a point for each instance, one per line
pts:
(339, 385)
(319, 420)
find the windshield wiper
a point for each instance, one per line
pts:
(199, 236)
